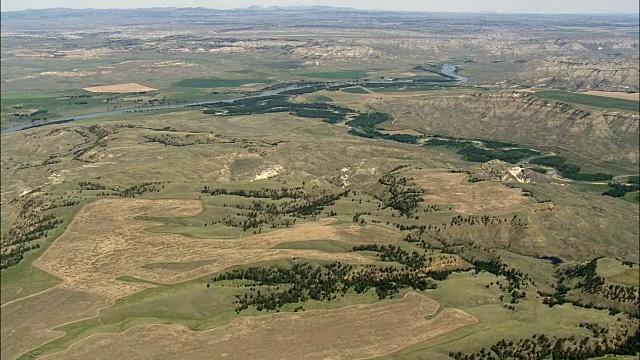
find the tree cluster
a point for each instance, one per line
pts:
(619, 190)
(262, 193)
(130, 192)
(391, 253)
(476, 154)
(569, 171)
(401, 197)
(563, 348)
(583, 278)
(280, 103)
(31, 224)
(273, 287)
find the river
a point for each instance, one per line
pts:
(447, 69)
(452, 70)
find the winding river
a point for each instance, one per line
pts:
(452, 70)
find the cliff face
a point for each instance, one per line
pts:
(569, 73)
(523, 118)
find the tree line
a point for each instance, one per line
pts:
(570, 171)
(130, 192)
(280, 103)
(273, 287)
(540, 347)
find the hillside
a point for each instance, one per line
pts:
(524, 118)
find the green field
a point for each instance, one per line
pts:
(337, 75)
(408, 88)
(618, 273)
(9, 99)
(214, 83)
(319, 98)
(355, 90)
(191, 303)
(632, 197)
(71, 103)
(590, 100)
(539, 170)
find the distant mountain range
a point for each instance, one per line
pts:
(188, 9)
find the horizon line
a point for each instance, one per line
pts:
(328, 7)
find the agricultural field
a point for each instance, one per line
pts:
(319, 98)
(592, 100)
(616, 94)
(355, 90)
(218, 83)
(337, 75)
(383, 188)
(120, 88)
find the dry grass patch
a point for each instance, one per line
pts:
(26, 323)
(365, 234)
(405, 131)
(410, 74)
(119, 88)
(105, 242)
(358, 331)
(470, 198)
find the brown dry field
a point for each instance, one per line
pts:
(469, 198)
(410, 74)
(119, 88)
(406, 131)
(353, 332)
(26, 323)
(365, 234)
(104, 242)
(614, 94)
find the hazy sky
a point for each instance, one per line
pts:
(513, 6)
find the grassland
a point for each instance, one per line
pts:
(119, 214)
(397, 324)
(409, 89)
(632, 197)
(616, 94)
(156, 258)
(339, 75)
(26, 107)
(468, 198)
(461, 114)
(319, 98)
(590, 100)
(355, 90)
(613, 271)
(469, 293)
(138, 216)
(98, 281)
(216, 83)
